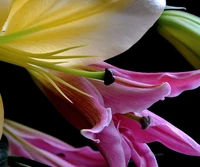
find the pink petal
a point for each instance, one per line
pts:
(113, 147)
(128, 95)
(141, 154)
(163, 132)
(41, 147)
(179, 81)
(130, 98)
(85, 113)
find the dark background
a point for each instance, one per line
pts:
(24, 102)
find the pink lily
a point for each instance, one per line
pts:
(132, 92)
(160, 130)
(32, 144)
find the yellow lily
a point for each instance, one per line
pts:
(53, 33)
(62, 34)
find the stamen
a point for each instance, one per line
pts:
(145, 121)
(109, 77)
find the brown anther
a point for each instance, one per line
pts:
(145, 122)
(109, 76)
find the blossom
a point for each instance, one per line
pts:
(160, 131)
(29, 143)
(181, 29)
(41, 34)
(132, 93)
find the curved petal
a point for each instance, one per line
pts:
(141, 154)
(36, 145)
(113, 147)
(178, 81)
(131, 97)
(106, 28)
(163, 132)
(87, 113)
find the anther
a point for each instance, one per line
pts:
(145, 122)
(109, 76)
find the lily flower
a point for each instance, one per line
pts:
(181, 29)
(40, 34)
(159, 131)
(132, 92)
(32, 144)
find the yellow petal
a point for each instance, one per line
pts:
(25, 12)
(4, 11)
(1, 116)
(106, 27)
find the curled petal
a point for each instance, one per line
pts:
(90, 133)
(41, 147)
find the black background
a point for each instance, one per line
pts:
(24, 102)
